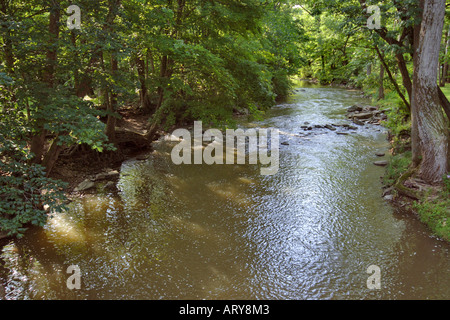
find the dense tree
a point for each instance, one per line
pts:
(175, 60)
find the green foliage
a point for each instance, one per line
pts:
(234, 55)
(27, 196)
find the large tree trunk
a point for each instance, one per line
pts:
(429, 123)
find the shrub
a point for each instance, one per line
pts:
(26, 194)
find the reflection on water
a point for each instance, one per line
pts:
(226, 232)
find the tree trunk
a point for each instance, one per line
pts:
(38, 140)
(391, 77)
(52, 52)
(8, 55)
(428, 119)
(143, 92)
(406, 78)
(112, 107)
(381, 85)
(111, 96)
(52, 156)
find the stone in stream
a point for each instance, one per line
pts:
(355, 108)
(380, 154)
(85, 185)
(110, 186)
(382, 163)
(363, 116)
(110, 175)
(330, 127)
(142, 157)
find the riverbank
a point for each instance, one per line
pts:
(85, 171)
(430, 204)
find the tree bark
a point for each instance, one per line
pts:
(143, 92)
(38, 139)
(431, 155)
(8, 45)
(52, 156)
(52, 52)
(110, 95)
(381, 85)
(112, 106)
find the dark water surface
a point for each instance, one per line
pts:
(227, 232)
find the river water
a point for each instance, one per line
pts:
(227, 232)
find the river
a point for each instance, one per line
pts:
(227, 232)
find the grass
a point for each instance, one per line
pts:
(434, 210)
(398, 165)
(446, 90)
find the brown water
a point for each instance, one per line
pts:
(226, 232)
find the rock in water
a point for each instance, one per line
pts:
(363, 116)
(85, 185)
(355, 108)
(358, 122)
(383, 163)
(110, 186)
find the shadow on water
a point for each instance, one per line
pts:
(226, 232)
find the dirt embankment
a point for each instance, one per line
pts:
(79, 164)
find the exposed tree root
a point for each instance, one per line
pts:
(402, 189)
